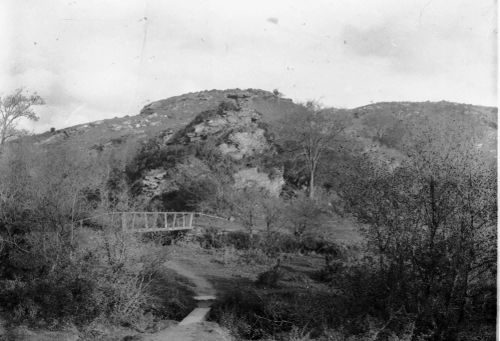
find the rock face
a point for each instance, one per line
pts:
(239, 132)
(237, 127)
(153, 180)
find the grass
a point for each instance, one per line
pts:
(236, 277)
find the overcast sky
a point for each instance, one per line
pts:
(99, 59)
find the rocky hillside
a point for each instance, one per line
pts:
(379, 122)
(164, 117)
(229, 144)
(387, 123)
(234, 121)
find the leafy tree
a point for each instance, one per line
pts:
(246, 206)
(304, 216)
(307, 135)
(272, 211)
(14, 107)
(431, 224)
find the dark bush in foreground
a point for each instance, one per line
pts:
(101, 275)
(253, 314)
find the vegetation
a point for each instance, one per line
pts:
(14, 107)
(431, 225)
(307, 135)
(425, 268)
(54, 272)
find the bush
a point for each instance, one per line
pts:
(213, 238)
(100, 275)
(240, 240)
(256, 314)
(53, 273)
(255, 256)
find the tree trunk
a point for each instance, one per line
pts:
(311, 179)
(2, 137)
(311, 186)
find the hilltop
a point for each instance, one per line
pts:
(376, 125)
(163, 117)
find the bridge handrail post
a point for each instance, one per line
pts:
(155, 219)
(191, 216)
(124, 222)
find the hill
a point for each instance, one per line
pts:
(375, 124)
(235, 120)
(213, 152)
(163, 117)
(384, 122)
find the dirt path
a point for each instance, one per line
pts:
(207, 331)
(202, 286)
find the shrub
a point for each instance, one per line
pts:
(255, 314)
(52, 272)
(101, 275)
(240, 240)
(270, 278)
(211, 238)
(214, 238)
(255, 256)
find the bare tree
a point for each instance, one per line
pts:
(308, 134)
(14, 107)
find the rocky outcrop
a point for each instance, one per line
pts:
(153, 180)
(237, 130)
(164, 117)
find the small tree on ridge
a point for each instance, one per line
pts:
(12, 108)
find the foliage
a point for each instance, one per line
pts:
(431, 228)
(256, 314)
(98, 275)
(304, 216)
(196, 175)
(52, 272)
(307, 135)
(246, 206)
(277, 93)
(14, 107)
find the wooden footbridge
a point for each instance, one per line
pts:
(145, 222)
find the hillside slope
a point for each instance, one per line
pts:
(164, 117)
(381, 128)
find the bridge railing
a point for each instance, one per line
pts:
(143, 222)
(156, 221)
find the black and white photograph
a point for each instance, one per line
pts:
(217, 170)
